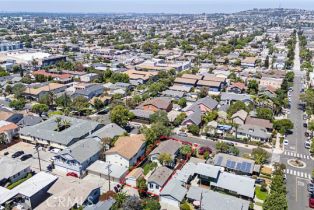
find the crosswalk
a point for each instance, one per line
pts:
(297, 155)
(298, 173)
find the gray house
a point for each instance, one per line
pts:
(158, 179)
(90, 91)
(78, 156)
(170, 147)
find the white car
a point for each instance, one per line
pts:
(285, 142)
(307, 144)
(55, 150)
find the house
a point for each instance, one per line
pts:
(109, 131)
(90, 91)
(31, 192)
(77, 157)
(37, 92)
(76, 192)
(29, 120)
(104, 99)
(185, 82)
(239, 117)
(57, 76)
(238, 165)
(215, 200)
(48, 134)
(170, 147)
(142, 116)
(269, 81)
(14, 170)
(206, 104)
(173, 94)
(107, 170)
(10, 116)
(211, 85)
(248, 62)
(140, 77)
(243, 187)
(133, 176)
(228, 98)
(90, 77)
(158, 179)
(259, 122)
(237, 87)
(253, 132)
(194, 118)
(8, 129)
(157, 104)
(172, 194)
(127, 150)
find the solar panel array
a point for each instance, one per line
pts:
(219, 161)
(244, 166)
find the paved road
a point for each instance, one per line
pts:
(297, 178)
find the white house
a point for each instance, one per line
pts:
(127, 150)
(158, 179)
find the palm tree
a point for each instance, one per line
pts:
(66, 123)
(58, 120)
(120, 199)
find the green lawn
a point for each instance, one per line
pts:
(259, 194)
(149, 166)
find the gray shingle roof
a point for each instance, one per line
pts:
(170, 147)
(47, 130)
(174, 189)
(244, 186)
(255, 131)
(160, 175)
(109, 131)
(11, 166)
(207, 101)
(235, 97)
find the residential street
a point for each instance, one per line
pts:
(297, 178)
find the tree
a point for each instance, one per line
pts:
(283, 125)
(64, 101)
(151, 204)
(260, 155)
(222, 146)
(120, 199)
(80, 103)
(182, 102)
(155, 132)
(8, 89)
(233, 150)
(98, 104)
(179, 119)
(132, 203)
(185, 150)
(120, 115)
(275, 202)
(47, 98)
(185, 206)
(159, 116)
(18, 90)
(165, 158)
(194, 129)
(264, 113)
(236, 106)
(308, 98)
(210, 116)
(203, 92)
(310, 126)
(141, 186)
(17, 104)
(40, 108)
(253, 87)
(119, 77)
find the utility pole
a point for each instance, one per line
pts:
(37, 145)
(109, 172)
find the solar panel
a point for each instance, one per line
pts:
(228, 164)
(232, 166)
(243, 166)
(219, 160)
(238, 166)
(248, 167)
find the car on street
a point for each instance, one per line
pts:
(73, 174)
(305, 117)
(307, 144)
(306, 134)
(6, 153)
(17, 154)
(55, 150)
(310, 187)
(183, 134)
(259, 181)
(285, 142)
(305, 125)
(311, 201)
(230, 144)
(49, 167)
(26, 157)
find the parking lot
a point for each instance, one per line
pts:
(27, 148)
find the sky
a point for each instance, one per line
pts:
(148, 6)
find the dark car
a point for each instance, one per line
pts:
(310, 187)
(26, 157)
(305, 125)
(6, 153)
(259, 181)
(306, 134)
(230, 144)
(202, 150)
(17, 154)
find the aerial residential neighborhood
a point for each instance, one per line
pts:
(157, 111)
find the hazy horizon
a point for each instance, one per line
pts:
(148, 6)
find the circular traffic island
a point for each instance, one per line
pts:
(297, 163)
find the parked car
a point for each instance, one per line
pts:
(305, 125)
(6, 153)
(72, 174)
(259, 181)
(306, 134)
(230, 144)
(183, 134)
(285, 142)
(26, 157)
(17, 154)
(311, 201)
(310, 187)
(55, 150)
(49, 167)
(307, 144)
(202, 150)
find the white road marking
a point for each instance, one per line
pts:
(301, 174)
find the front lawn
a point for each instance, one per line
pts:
(259, 194)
